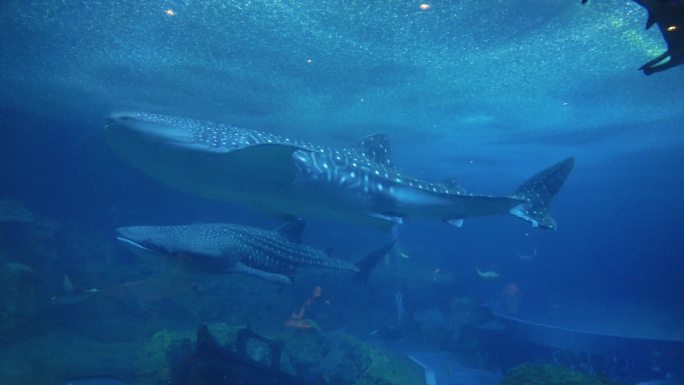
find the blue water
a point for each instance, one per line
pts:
(488, 92)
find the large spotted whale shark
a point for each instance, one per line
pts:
(286, 176)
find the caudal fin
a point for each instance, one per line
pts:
(538, 191)
(368, 262)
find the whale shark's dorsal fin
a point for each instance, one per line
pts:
(206, 344)
(292, 230)
(376, 147)
(67, 285)
(452, 184)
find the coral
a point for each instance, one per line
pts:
(432, 321)
(163, 341)
(54, 358)
(305, 350)
(21, 300)
(14, 211)
(362, 364)
(338, 358)
(466, 311)
(297, 321)
(154, 355)
(467, 316)
(529, 374)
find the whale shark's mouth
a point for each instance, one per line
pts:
(156, 128)
(133, 243)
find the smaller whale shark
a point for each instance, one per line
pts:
(527, 256)
(273, 255)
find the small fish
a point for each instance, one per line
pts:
(70, 288)
(399, 305)
(486, 274)
(71, 294)
(14, 211)
(404, 255)
(435, 273)
(527, 257)
(19, 269)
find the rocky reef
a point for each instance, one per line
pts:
(345, 359)
(21, 299)
(529, 374)
(323, 359)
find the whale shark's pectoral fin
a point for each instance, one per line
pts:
(272, 160)
(385, 222)
(458, 222)
(271, 277)
(538, 191)
(390, 218)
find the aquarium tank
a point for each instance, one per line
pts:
(318, 192)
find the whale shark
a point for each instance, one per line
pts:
(293, 178)
(273, 255)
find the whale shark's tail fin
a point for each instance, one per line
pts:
(538, 191)
(370, 260)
